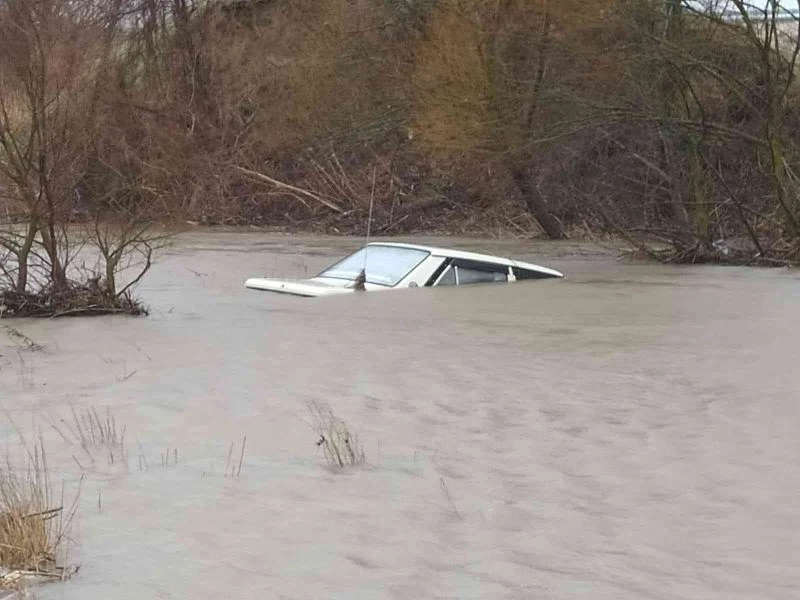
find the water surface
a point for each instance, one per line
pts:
(627, 432)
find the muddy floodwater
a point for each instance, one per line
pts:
(631, 431)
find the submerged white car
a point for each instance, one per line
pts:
(386, 266)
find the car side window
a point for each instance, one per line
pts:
(448, 277)
(466, 276)
(472, 272)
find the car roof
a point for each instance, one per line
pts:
(463, 254)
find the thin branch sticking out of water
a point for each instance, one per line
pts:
(235, 468)
(165, 457)
(449, 498)
(143, 466)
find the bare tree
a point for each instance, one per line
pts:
(494, 83)
(721, 101)
(56, 60)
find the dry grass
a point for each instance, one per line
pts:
(339, 445)
(33, 526)
(97, 434)
(94, 431)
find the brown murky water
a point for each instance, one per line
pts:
(628, 432)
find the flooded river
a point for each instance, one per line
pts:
(630, 431)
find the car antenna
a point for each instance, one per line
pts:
(362, 277)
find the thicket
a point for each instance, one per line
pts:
(672, 124)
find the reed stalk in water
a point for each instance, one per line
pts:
(339, 445)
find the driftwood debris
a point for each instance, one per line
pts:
(72, 299)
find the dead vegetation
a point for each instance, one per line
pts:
(103, 432)
(666, 123)
(34, 526)
(340, 446)
(55, 65)
(233, 468)
(71, 299)
(101, 440)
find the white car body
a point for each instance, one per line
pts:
(419, 266)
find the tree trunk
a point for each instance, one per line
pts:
(22, 257)
(675, 203)
(778, 176)
(111, 276)
(538, 207)
(58, 276)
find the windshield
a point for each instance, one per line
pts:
(385, 265)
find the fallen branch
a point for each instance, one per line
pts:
(291, 188)
(394, 224)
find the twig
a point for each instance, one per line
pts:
(49, 513)
(142, 457)
(241, 456)
(449, 498)
(80, 466)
